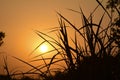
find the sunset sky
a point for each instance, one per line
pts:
(19, 19)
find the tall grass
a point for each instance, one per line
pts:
(98, 59)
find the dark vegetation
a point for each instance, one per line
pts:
(2, 35)
(98, 59)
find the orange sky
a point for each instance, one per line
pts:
(18, 19)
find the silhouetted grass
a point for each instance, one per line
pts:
(98, 59)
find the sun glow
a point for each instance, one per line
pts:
(43, 48)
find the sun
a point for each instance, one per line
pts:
(43, 48)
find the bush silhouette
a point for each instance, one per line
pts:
(2, 35)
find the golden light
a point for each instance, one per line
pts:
(43, 48)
